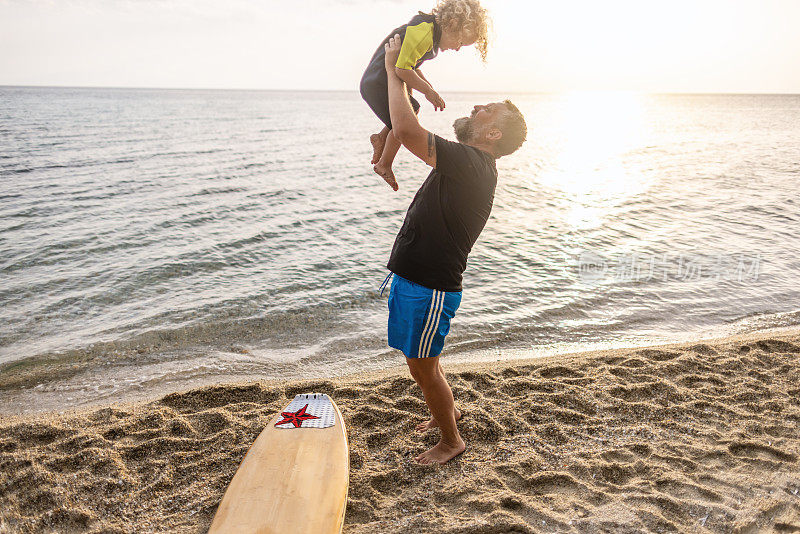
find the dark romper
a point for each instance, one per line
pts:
(421, 38)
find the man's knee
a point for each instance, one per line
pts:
(423, 369)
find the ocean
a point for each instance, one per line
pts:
(157, 240)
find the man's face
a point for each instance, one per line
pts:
(474, 128)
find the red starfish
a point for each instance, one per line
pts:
(296, 418)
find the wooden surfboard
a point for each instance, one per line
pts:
(294, 478)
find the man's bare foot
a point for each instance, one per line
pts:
(378, 142)
(441, 452)
(432, 423)
(386, 174)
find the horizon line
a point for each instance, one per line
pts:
(239, 89)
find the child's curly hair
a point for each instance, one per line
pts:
(469, 16)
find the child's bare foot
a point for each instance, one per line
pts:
(442, 452)
(422, 427)
(387, 174)
(378, 142)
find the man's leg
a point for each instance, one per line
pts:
(439, 398)
(432, 422)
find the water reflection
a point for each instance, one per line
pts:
(587, 134)
(164, 224)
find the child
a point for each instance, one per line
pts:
(451, 25)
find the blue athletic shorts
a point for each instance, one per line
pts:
(419, 317)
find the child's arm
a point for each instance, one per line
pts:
(405, 125)
(415, 81)
(416, 42)
(419, 73)
(440, 101)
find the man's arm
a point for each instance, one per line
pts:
(405, 126)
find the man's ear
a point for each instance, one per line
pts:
(494, 134)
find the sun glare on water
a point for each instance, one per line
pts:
(586, 136)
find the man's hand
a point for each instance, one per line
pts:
(434, 98)
(391, 53)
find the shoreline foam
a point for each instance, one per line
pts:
(698, 437)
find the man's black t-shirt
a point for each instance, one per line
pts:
(446, 217)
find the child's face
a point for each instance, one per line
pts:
(454, 39)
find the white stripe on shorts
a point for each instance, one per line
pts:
(427, 324)
(435, 328)
(430, 327)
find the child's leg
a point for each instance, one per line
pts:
(378, 141)
(389, 152)
(390, 148)
(384, 165)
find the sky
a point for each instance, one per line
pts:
(749, 46)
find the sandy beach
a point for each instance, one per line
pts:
(699, 437)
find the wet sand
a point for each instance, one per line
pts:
(698, 437)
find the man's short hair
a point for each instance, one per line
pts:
(512, 125)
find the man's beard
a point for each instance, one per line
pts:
(463, 129)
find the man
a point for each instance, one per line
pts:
(444, 220)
